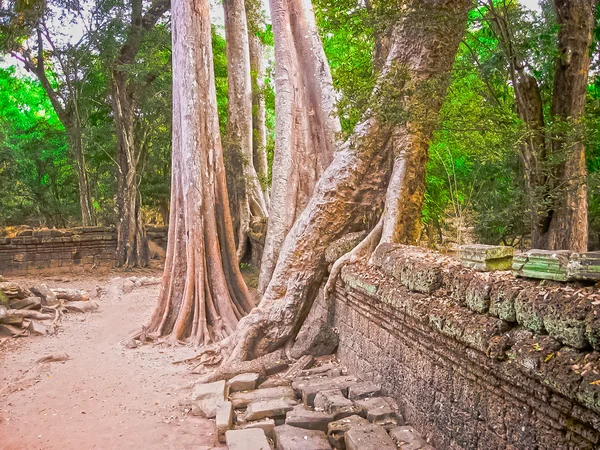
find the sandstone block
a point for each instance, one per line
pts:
(224, 419)
(252, 439)
(336, 430)
(243, 382)
(334, 402)
(269, 408)
(486, 257)
(267, 425)
(363, 390)
(407, 438)
(292, 438)
(243, 399)
(308, 389)
(301, 417)
(375, 409)
(368, 437)
(206, 397)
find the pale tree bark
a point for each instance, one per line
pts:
(259, 121)
(380, 154)
(131, 250)
(203, 294)
(246, 193)
(307, 124)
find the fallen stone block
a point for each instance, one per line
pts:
(39, 329)
(292, 438)
(375, 409)
(486, 258)
(584, 266)
(337, 429)
(267, 425)
(363, 390)
(275, 381)
(407, 438)
(368, 437)
(26, 303)
(269, 408)
(206, 397)
(308, 389)
(308, 419)
(243, 399)
(334, 402)
(48, 297)
(243, 382)
(224, 419)
(251, 439)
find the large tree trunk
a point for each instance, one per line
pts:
(421, 57)
(203, 294)
(247, 199)
(568, 216)
(307, 124)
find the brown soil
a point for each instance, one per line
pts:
(105, 396)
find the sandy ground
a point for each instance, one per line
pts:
(105, 396)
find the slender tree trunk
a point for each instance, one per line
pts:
(246, 193)
(259, 122)
(130, 230)
(307, 124)
(203, 294)
(85, 199)
(424, 45)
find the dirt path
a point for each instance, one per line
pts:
(105, 396)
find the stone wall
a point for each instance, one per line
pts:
(80, 249)
(476, 360)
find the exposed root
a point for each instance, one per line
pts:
(365, 247)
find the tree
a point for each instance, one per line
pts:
(307, 124)
(245, 190)
(553, 154)
(124, 98)
(387, 150)
(203, 295)
(28, 37)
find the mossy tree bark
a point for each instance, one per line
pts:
(203, 295)
(387, 150)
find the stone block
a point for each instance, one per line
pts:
(243, 382)
(376, 409)
(308, 389)
(368, 437)
(267, 425)
(243, 399)
(363, 390)
(48, 297)
(292, 438)
(269, 408)
(251, 439)
(407, 438)
(334, 402)
(224, 419)
(336, 430)
(584, 266)
(542, 264)
(301, 417)
(486, 258)
(26, 303)
(206, 397)
(477, 295)
(502, 301)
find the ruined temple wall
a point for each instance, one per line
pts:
(56, 251)
(475, 360)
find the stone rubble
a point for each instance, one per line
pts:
(323, 409)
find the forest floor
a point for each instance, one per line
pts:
(105, 396)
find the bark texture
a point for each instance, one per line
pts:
(131, 250)
(307, 124)
(203, 294)
(245, 190)
(553, 154)
(424, 44)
